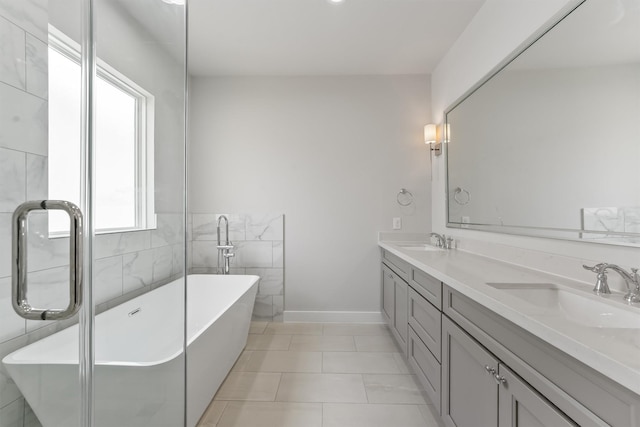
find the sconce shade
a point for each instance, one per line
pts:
(430, 134)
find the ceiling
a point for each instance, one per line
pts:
(317, 37)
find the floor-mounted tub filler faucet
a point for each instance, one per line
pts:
(632, 280)
(225, 249)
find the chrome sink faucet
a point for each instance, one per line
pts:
(632, 280)
(225, 249)
(442, 241)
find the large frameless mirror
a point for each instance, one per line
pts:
(549, 145)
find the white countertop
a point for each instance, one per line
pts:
(614, 352)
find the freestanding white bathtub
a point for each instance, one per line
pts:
(139, 369)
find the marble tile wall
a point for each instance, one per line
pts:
(23, 176)
(611, 220)
(259, 249)
(126, 264)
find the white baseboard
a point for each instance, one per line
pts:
(333, 316)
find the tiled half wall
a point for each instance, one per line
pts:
(259, 250)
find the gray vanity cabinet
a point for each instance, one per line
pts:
(394, 304)
(469, 390)
(521, 406)
(401, 309)
(478, 390)
(388, 292)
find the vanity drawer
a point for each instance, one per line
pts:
(426, 321)
(426, 367)
(427, 286)
(400, 267)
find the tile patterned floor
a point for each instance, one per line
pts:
(320, 375)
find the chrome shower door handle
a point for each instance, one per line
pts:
(19, 282)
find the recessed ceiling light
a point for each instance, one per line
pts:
(336, 1)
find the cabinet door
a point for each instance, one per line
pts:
(522, 406)
(469, 389)
(401, 309)
(388, 293)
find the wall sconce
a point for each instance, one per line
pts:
(431, 138)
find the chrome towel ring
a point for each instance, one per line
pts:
(404, 197)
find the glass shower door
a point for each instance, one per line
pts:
(44, 273)
(109, 140)
(139, 257)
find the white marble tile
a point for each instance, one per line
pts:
(204, 270)
(12, 54)
(205, 227)
(13, 180)
(162, 263)
(5, 244)
(263, 308)
(8, 389)
(37, 171)
(30, 15)
(189, 227)
(603, 219)
(23, 121)
(278, 254)
(236, 226)
(178, 266)
(257, 327)
(278, 308)
(253, 254)
(45, 253)
(30, 419)
(37, 67)
(112, 244)
(137, 270)
(169, 230)
(48, 289)
(189, 245)
(12, 324)
(271, 280)
(108, 279)
(264, 227)
(632, 219)
(12, 415)
(204, 254)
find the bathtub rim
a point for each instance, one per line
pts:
(11, 359)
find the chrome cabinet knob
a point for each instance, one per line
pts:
(490, 370)
(500, 379)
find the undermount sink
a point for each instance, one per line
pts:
(418, 247)
(584, 310)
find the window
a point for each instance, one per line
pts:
(123, 143)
